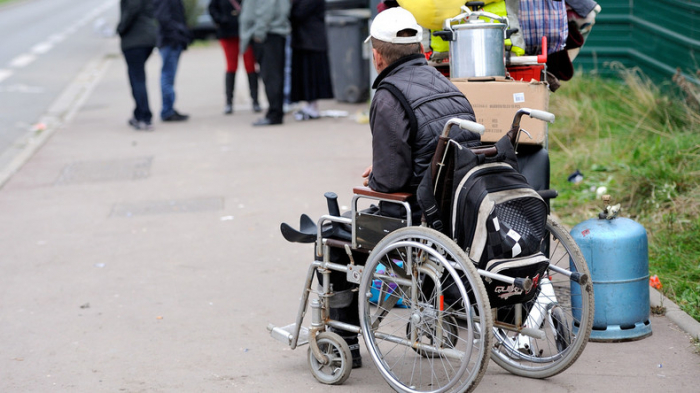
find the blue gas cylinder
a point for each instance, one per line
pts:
(617, 254)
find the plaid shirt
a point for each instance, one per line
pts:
(543, 18)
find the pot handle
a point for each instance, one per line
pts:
(447, 25)
(468, 15)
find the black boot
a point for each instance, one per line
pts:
(253, 83)
(350, 316)
(230, 83)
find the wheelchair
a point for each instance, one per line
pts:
(425, 315)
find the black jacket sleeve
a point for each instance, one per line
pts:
(392, 162)
(129, 12)
(173, 27)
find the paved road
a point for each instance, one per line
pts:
(45, 45)
(152, 262)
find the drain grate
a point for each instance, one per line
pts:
(104, 171)
(167, 207)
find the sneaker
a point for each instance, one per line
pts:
(228, 109)
(302, 115)
(176, 116)
(256, 107)
(140, 125)
(134, 123)
(144, 126)
(288, 107)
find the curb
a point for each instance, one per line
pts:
(674, 313)
(60, 112)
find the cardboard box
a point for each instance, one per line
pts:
(495, 102)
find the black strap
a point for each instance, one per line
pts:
(428, 203)
(412, 121)
(426, 199)
(432, 213)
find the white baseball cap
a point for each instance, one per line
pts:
(389, 22)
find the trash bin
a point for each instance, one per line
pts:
(349, 60)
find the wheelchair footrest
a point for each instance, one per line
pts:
(285, 334)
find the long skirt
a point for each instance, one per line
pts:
(311, 76)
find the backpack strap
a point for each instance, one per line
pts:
(412, 121)
(427, 188)
(427, 202)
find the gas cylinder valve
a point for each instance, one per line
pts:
(609, 212)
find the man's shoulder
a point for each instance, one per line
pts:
(425, 78)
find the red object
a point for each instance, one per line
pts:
(526, 73)
(542, 58)
(654, 282)
(231, 52)
(444, 70)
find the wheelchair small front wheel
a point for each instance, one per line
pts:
(339, 365)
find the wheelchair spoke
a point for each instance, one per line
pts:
(414, 335)
(562, 310)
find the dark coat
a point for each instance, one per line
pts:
(137, 27)
(309, 25)
(225, 17)
(400, 160)
(172, 29)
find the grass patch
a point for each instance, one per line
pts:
(642, 147)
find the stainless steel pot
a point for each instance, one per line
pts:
(476, 46)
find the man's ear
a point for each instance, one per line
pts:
(378, 60)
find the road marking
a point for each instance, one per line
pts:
(41, 48)
(25, 59)
(56, 38)
(22, 60)
(20, 88)
(4, 74)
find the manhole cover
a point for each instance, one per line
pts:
(167, 207)
(103, 171)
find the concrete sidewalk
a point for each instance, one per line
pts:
(152, 261)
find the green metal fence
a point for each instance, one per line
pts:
(658, 36)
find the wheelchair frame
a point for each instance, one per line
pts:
(452, 341)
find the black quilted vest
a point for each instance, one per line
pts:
(434, 100)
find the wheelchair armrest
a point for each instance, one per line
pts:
(396, 196)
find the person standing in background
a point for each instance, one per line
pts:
(138, 31)
(173, 38)
(225, 15)
(264, 24)
(311, 72)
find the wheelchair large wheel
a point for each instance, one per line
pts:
(425, 315)
(563, 310)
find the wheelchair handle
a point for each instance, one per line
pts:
(542, 115)
(463, 124)
(514, 131)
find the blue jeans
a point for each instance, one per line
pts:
(136, 61)
(170, 56)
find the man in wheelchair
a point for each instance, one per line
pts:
(410, 108)
(490, 275)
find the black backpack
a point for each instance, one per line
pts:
(488, 208)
